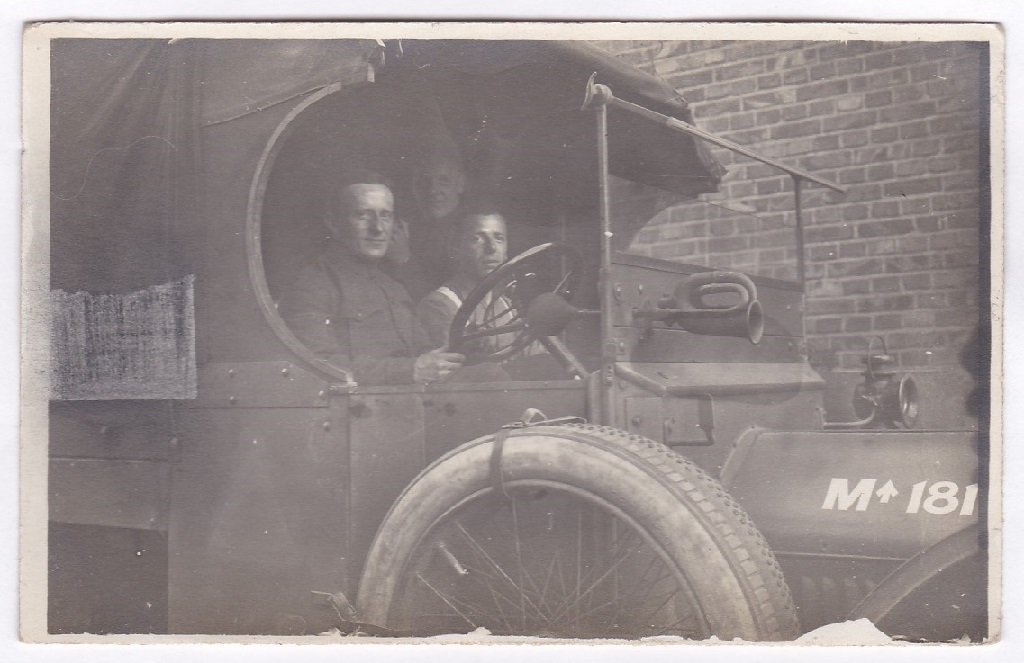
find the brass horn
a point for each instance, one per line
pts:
(694, 309)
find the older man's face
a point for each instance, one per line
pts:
(365, 220)
(439, 188)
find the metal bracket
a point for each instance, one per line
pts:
(531, 417)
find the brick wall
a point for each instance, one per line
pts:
(898, 124)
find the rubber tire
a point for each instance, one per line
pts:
(707, 535)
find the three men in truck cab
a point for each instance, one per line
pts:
(347, 310)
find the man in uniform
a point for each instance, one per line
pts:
(348, 311)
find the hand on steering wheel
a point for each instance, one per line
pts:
(491, 324)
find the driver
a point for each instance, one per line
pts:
(479, 245)
(348, 311)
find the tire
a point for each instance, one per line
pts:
(591, 533)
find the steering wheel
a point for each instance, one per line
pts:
(491, 324)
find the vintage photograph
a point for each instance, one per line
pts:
(400, 331)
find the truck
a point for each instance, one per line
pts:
(208, 474)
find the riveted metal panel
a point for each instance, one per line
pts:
(270, 384)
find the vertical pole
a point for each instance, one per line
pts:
(798, 196)
(608, 342)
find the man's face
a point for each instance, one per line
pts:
(440, 187)
(481, 247)
(365, 220)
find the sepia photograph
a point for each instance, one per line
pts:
(398, 332)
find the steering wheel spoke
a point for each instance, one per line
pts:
(491, 324)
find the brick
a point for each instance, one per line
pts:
(769, 82)
(967, 218)
(795, 112)
(846, 121)
(716, 108)
(832, 51)
(907, 187)
(916, 281)
(887, 321)
(881, 171)
(919, 318)
(741, 121)
(913, 130)
(928, 224)
(853, 176)
(879, 98)
(828, 325)
(945, 124)
(714, 56)
(823, 252)
(769, 117)
(825, 143)
(856, 287)
(727, 244)
(886, 79)
(769, 186)
(856, 138)
(822, 107)
(907, 56)
(818, 162)
(880, 60)
(884, 135)
(961, 181)
(960, 143)
(905, 112)
(849, 66)
(924, 72)
(857, 324)
(798, 146)
(764, 100)
(796, 129)
(865, 267)
(912, 244)
(859, 193)
(819, 234)
(850, 102)
(741, 70)
(880, 246)
(715, 125)
(907, 94)
(818, 306)
(925, 148)
(960, 258)
(825, 215)
(852, 250)
(905, 264)
(823, 89)
(956, 104)
(822, 71)
(955, 318)
(795, 77)
(855, 212)
(915, 207)
(953, 201)
(911, 167)
(885, 227)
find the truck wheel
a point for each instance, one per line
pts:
(572, 531)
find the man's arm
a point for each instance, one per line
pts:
(435, 313)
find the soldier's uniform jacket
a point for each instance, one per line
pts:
(358, 318)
